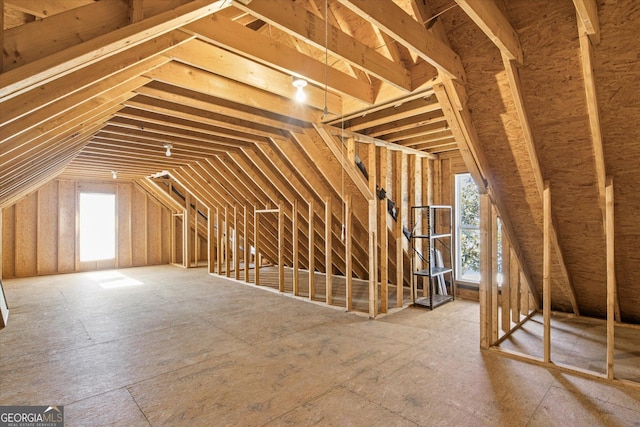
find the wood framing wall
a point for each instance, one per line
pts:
(40, 232)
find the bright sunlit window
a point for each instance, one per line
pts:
(97, 226)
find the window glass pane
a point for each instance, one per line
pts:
(97, 226)
(469, 267)
(467, 229)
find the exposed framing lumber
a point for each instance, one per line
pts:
(586, 53)
(516, 90)
(587, 11)
(546, 271)
(136, 11)
(226, 244)
(236, 243)
(328, 250)
(311, 257)
(399, 236)
(186, 234)
(203, 82)
(256, 246)
(216, 60)
(373, 235)
(295, 248)
(239, 39)
(210, 103)
(383, 231)
(514, 282)
(349, 168)
(459, 118)
(211, 242)
(59, 64)
(488, 16)
(348, 225)
(296, 20)
(412, 34)
(25, 43)
(611, 277)
(281, 248)
(44, 95)
(247, 247)
(365, 139)
(486, 302)
(219, 246)
(313, 178)
(493, 280)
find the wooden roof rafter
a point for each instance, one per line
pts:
(301, 23)
(59, 64)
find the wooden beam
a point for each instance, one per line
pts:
(296, 20)
(211, 247)
(216, 60)
(219, 243)
(373, 235)
(237, 38)
(186, 234)
(256, 246)
(398, 197)
(45, 8)
(488, 16)
(203, 82)
(486, 307)
(311, 247)
(546, 271)
(514, 281)
(493, 281)
(348, 256)
(506, 286)
(587, 11)
(247, 247)
(401, 26)
(328, 250)
(227, 248)
(236, 243)
(81, 55)
(611, 277)
(349, 168)
(136, 11)
(281, 244)
(586, 51)
(295, 248)
(384, 231)
(1, 70)
(44, 95)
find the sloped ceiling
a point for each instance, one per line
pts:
(528, 92)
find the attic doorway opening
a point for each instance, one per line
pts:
(97, 223)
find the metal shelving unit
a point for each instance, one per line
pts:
(428, 265)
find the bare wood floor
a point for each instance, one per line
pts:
(167, 346)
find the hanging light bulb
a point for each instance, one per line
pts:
(114, 174)
(299, 84)
(168, 146)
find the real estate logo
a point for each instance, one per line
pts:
(31, 416)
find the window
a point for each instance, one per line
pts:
(97, 226)
(467, 229)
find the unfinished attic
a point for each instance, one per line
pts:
(164, 163)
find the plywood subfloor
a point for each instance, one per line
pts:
(167, 346)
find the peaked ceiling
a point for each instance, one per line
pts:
(206, 77)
